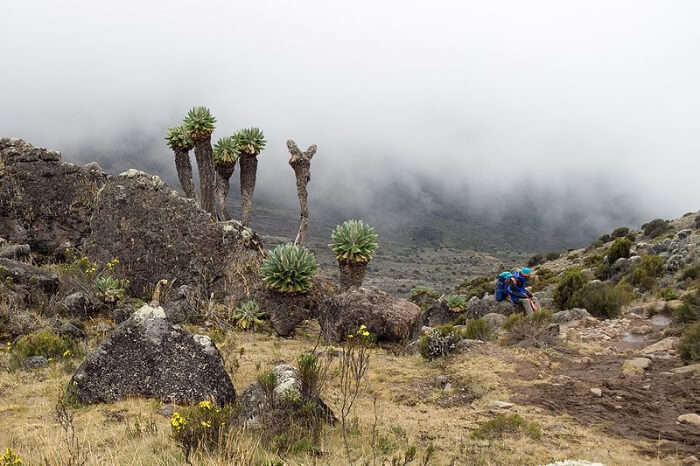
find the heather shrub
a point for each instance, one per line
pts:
(689, 344)
(478, 287)
(691, 272)
(655, 228)
(620, 232)
(620, 248)
(477, 329)
(571, 281)
(600, 299)
(503, 424)
(530, 330)
(43, 343)
(644, 274)
(689, 311)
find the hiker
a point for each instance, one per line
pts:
(503, 279)
(517, 292)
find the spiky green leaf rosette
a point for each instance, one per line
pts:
(289, 268)
(179, 138)
(248, 316)
(250, 140)
(354, 241)
(199, 122)
(226, 151)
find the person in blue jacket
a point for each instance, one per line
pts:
(503, 279)
(517, 292)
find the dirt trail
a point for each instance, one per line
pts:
(637, 407)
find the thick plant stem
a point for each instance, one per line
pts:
(184, 172)
(249, 168)
(301, 164)
(351, 273)
(223, 174)
(204, 155)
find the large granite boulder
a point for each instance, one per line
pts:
(28, 276)
(389, 318)
(479, 307)
(153, 231)
(148, 356)
(440, 314)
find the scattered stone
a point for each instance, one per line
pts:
(664, 346)
(494, 320)
(479, 307)
(147, 356)
(35, 362)
(75, 330)
(690, 418)
(641, 330)
(466, 343)
(77, 305)
(692, 368)
(690, 461)
(389, 318)
(597, 392)
(563, 317)
(167, 411)
(636, 365)
(497, 404)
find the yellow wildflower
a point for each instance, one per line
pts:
(178, 422)
(66, 353)
(205, 424)
(205, 404)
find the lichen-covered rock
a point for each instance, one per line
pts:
(28, 275)
(148, 356)
(569, 315)
(389, 318)
(494, 320)
(479, 307)
(16, 251)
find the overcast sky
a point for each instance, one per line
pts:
(575, 99)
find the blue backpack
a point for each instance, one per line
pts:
(501, 285)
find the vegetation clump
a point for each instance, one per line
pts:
(456, 303)
(477, 329)
(570, 283)
(689, 311)
(503, 424)
(478, 287)
(620, 232)
(289, 269)
(656, 228)
(542, 257)
(620, 248)
(645, 273)
(10, 458)
(531, 330)
(248, 316)
(601, 299)
(200, 426)
(689, 344)
(439, 342)
(423, 296)
(44, 343)
(354, 241)
(199, 123)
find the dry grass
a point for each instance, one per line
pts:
(412, 409)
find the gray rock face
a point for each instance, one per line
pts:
(28, 275)
(77, 305)
(74, 330)
(494, 320)
(563, 317)
(477, 307)
(183, 306)
(148, 356)
(439, 314)
(389, 318)
(35, 362)
(17, 251)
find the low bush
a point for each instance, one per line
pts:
(605, 238)
(476, 287)
(571, 281)
(655, 228)
(697, 222)
(477, 329)
(503, 424)
(691, 272)
(644, 274)
(620, 248)
(689, 344)
(440, 342)
(423, 296)
(456, 303)
(201, 426)
(601, 299)
(620, 232)
(535, 260)
(531, 330)
(44, 343)
(289, 269)
(667, 294)
(689, 311)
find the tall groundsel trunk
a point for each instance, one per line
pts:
(224, 171)
(249, 169)
(203, 153)
(184, 172)
(301, 164)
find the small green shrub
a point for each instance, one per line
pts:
(620, 232)
(110, 289)
(691, 272)
(667, 294)
(655, 228)
(644, 274)
(600, 299)
(248, 316)
(311, 374)
(44, 343)
(593, 260)
(290, 269)
(620, 248)
(503, 424)
(354, 241)
(268, 382)
(477, 329)
(456, 303)
(535, 260)
(571, 281)
(200, 426)
(689, 344)
(424, 290)
(605, 238)
(542, 278)
(478, 287)
(530, 330)
(689, 311)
